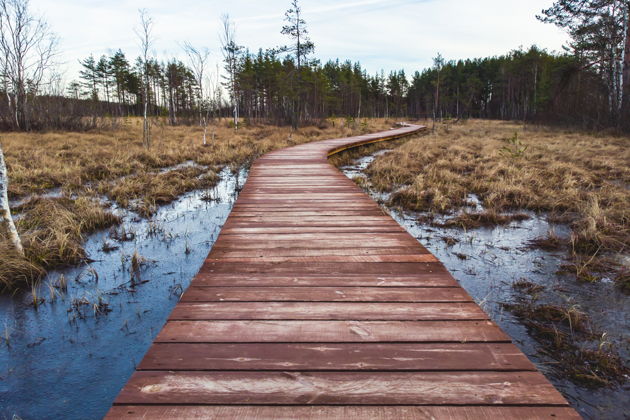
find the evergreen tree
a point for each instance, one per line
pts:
(302, 46)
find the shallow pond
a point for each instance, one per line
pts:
(69, 357)
(487, 261)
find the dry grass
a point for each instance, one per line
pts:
(469, 220)
(52, 232)
(40, 161)
(565, 333)
(144, 193)
(114, 163)
(579, 178)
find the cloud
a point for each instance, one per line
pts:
(381, 34)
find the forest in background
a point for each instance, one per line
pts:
(586, 86)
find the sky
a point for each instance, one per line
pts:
(380, 34)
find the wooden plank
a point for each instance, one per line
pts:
(363, 388)
(358, 214)
(324, 294)
(329, 331)
(314, 252)
(309, 280)
(327, 311)
(332, 269)
(338, 357)
(318, 412)
(331, 258)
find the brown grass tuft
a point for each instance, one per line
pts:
(52, 235)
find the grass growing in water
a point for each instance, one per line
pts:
(577, 178)
(565, 333)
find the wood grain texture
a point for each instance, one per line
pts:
(341, 356)
(340, 413)
(329, 331)
(362, 388)
(348, 311)
(315, 304)
(312, 280)
(324, 294)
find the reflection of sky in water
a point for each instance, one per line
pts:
(60, 365)
(487, 261)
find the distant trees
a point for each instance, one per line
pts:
(27, 50)
(522, 85)
(587, 86)
(600, 39)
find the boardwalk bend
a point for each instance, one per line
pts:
(314, 303)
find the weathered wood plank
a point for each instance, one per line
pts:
(331, 258)
(329, 331)
(313, 280)
(331, 269)
(338, 357)
(363, 388)
(278, 228)
(315, 412)
(324, 294)
(327, 311)
(219, 253)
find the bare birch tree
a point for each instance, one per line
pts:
(5, 212)
(231, 51)
(27, 52)
(438, 63)
(625, 72)
(145, 35)
(198, 61)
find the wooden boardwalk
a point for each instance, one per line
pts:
(314, 303)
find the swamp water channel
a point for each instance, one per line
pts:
(70, 356)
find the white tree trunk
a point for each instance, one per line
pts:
(205, 131)
(625, 66)
(5, 211)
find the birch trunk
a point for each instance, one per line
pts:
(5, 211)
(625, 73)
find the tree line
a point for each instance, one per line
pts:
(587, 85)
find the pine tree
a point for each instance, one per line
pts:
(301, 48)
(90, 77)
(599, 31)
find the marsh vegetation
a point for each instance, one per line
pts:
(579, 179)
(65, 185)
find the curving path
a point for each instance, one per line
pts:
(314, 303)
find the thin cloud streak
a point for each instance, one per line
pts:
(381, 34)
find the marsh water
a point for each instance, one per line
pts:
(486, 261)
(68, 358)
